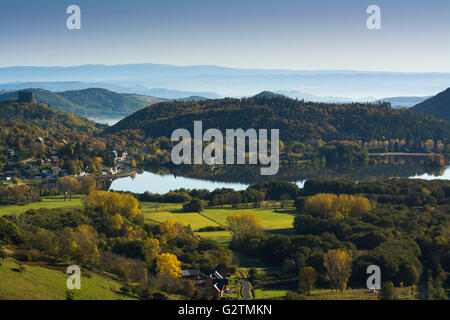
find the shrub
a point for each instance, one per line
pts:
(195, 205)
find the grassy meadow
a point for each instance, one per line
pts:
(56, 202)
(272, 219)
(38, 283)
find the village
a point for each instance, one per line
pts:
(35, 170)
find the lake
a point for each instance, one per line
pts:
(157, 182)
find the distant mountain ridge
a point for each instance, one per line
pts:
(233, 82)
(59, 86)
(438, 106)
(403, 102)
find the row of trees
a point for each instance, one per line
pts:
(70, 185)
(18, 194)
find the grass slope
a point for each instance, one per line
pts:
(37, 283)
(47, 203)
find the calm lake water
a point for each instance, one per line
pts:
(161, 184)
(157, 183)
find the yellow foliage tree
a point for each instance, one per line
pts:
(115, 203)
(88, 185)
(306, 279)
(327, 205)
(117, 221)
(244, 225)
(339, 266)
(151, 251)
(168, 263)
(86, 241)
(170, 229)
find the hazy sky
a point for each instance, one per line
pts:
(285, 34)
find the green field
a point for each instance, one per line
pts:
(327, 294)
(47, 203)
(37, 283)
(271, 220)
(222, 237)
(270, 294)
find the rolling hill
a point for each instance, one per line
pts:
(44, 117)
(298, 121)
(37, 130)
(94, 103)
(438, 106)
(39, 283)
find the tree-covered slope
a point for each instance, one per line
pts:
(45, 117)
(297, 120)
(438, 106)
(93, 103)
(101, 102)
(37, 131)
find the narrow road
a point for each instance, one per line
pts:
(245, 286)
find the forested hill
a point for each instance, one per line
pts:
(102, 102)
(40, 115)
(438, 105)
(37, 131)
(93, 103)
(297, 120)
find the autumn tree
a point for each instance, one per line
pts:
(326, 205)
(244, 225)
(168, 263)
(111, 203)
(387, 291)
(188, 289)
(86, 239)
(306, 279)
(339, 266)
(170, 229)
(88, 185)
(151, 251)
(68, 186)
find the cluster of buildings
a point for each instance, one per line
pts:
(34, 173)
(216, 279)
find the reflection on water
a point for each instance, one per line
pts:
(109, 122)
(445, 175)
(162, 180)
(161, 184)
